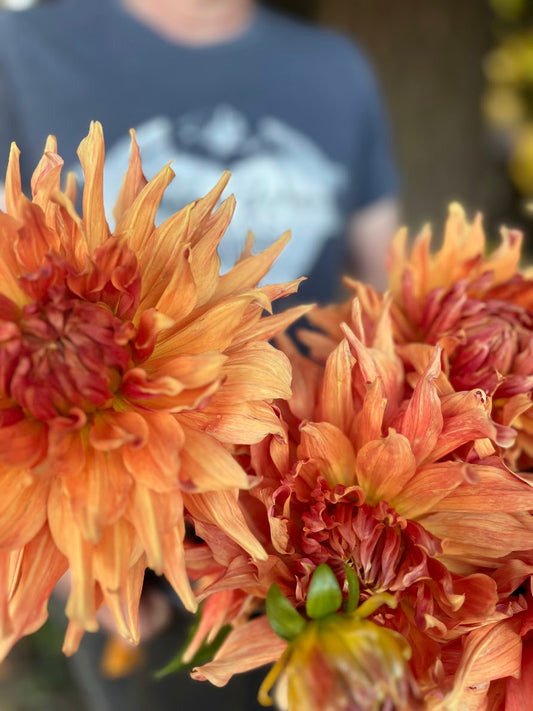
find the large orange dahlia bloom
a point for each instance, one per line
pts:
(477, 305)
(128, 366)
(394, 477)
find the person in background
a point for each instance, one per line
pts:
(292, 110)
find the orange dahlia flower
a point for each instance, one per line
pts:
(395, 478)
(127, 367)
(478, 306)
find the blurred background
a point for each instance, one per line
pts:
(457, 80)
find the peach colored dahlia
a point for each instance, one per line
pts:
(397, 480)
(477, 305)
(127, 367)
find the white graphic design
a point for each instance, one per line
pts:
(281, 180)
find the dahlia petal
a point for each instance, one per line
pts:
(133, 182)
(81, 605)
(22, 507)
(212, 330)
(179, 296)
(520, 691)
(271, 326)
(155, 461)
(175, 566)
(172, 240)
(116, 553)
(492, 652)
(384, 467)
(240, 375)
(431, 483)
(493, 489)
(221, 509)
(23, 444)
(34, 238)
(151, 323)
(249, 271)
(331, 450)
(98, 494)
(422, 422)
(153, 515)
(205, 262)
(247, 647)
(41, 566)
(246, 423)
(202, 208)
(336, 403)
(480, 536)
(137, 221)
(206, 465)
(13, 186)
(91, 155)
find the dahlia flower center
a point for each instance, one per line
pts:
(69, 354)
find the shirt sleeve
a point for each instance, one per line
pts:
(376, 174)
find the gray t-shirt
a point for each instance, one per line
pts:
(292, 110)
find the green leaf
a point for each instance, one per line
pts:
(353, 589)
(286, 622)
(324, 596)
(206, 652)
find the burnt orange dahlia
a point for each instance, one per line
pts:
(477, 305)
(399, 481)
(128, 366)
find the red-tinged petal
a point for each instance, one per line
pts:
(422, 422)
(247, 647)
(34, 238)
(332, 452)
(336, 402)
(206, 465)
(221, 509)
(384, 467)
(22, 507)
(466, 419)
(23, 444)
(151, 323)
(91, 155)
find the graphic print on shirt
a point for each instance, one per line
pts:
(280, 178)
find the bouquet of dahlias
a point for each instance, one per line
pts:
(362, 513)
